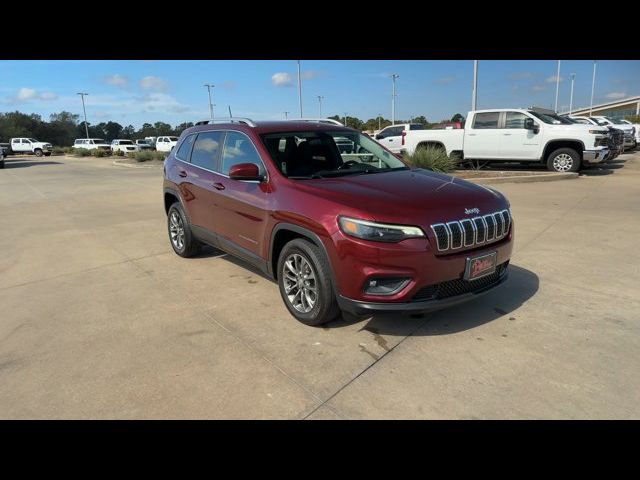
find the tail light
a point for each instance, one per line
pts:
(404, 134)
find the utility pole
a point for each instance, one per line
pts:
(474, 92)
(230, 116)
(593, 87)
(86, 126)
(209, 86)
(300, 88)
(285, 115)
(573, 79)
(557, 86)
(345, 119)
(393, 98)
(320, 97)
(379, 120)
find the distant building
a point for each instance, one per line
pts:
(617, 109)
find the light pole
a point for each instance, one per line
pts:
(320, 97)
(285, 115)
(393, 98)
(474, 91)
(209, 86)
(86, 126)
(573, 79)
(557, 86)
(299, 88)
(593, 87)
(345, 119)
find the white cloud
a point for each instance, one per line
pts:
(116, 80)
(153, 83)
(520, 76)
(282, 79)
(554, 79)
(25, 94)
(615, 95)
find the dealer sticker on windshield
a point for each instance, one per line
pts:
(478, 267)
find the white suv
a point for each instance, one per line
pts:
(391, 136)
(91, 144)
(123, 145)
(166, 144)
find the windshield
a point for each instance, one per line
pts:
(173, 139)
(551, 119)
(98, 140)
(616, 121)
(32, 140)
(126, 142)
(313, 154)
(146, 142)
(602, 123)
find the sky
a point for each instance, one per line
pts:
(172, 91)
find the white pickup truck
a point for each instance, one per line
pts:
(30, 146)
(520, 135)
(166, 143)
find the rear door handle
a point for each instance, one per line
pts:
(182, 173)
(218, 186)
(507, 134)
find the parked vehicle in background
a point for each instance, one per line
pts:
(144, 145)
(30, 146)
(637, 127)
(152, 140)
(629, 130)
(166, 144)
(91, 144)
(521, 135)
(448, 126)
(391, 136)
(361, 233)
(124, 145)
(2, 155)
(616, 136)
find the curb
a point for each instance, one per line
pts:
(131, 165)
(550, 177)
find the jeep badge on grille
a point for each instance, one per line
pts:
(469, 211)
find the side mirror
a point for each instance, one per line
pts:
(379, 137)
(529, 124)
(245, 171)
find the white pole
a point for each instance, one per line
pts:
(208, 85)
(86, 128)
(393, 98)
(300, 88)
(593, 87)
(573, 79)
(320, 97)
(474, 93)
(557, 86)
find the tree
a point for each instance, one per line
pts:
(129, 132)
(112, 130)
(458, 117)
(162, 128)
(182, 127)
(421, 119)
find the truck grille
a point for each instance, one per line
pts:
(471, 232)
(453, 288)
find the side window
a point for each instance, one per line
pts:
(486, 120)
(206, 149)
(515, 120)
(184, 152)
(239, 149)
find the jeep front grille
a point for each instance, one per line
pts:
(472, 232)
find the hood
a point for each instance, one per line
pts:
(578, 128)
(412, 197)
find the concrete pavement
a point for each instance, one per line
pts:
(100, 319)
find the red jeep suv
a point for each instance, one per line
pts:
(338, 220)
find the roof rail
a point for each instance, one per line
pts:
(319, 120)
(246, 121)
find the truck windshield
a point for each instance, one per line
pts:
(551, 119)
(324, 154)
(616, 121)
(126, 142)
(602, 123)
(32, 140)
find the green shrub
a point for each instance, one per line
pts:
(432, 158)
(119, 153)
(60, 150)
(80, 152)
(146, 156)
(97, 152)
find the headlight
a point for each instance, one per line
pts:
(598, 132)
(378, 232)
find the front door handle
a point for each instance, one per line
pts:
(506, 134)
(218, 186)
(182, 173)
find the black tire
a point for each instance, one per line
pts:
(1, 164)
(38, 152)
(48, 154)
(325, 307)
(564, 160)
(188, 246)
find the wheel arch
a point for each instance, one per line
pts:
(555, 144)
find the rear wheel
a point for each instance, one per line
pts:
(563, 160)
(304, 278)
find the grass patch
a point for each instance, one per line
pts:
(147, 156)
(432, 158)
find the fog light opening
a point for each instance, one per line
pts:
(385, 286)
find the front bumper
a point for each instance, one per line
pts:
(358, 308)
(595, 156)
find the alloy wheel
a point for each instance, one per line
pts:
(300, 284)
(176, 230)
(562, 162)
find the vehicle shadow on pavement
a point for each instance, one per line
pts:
(21, 163)
(501, 302)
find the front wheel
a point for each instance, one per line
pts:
(1, 164)
(563, 160)
(304, 278)
(38, 152)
